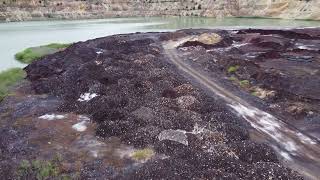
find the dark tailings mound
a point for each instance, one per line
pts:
(125, 84)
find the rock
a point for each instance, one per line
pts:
(174, 135)
(208, 38)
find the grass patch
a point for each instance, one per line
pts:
(244, 83)
(37, 169)
(41, 170)
(57, 45)
(233, 69)
(232, 78)
(142, 154)
(27, 56)
(241, 83)
(8, 78)
(254, 93)
(31, 54)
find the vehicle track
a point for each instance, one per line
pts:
(298, 150)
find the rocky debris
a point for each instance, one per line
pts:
(134, 95)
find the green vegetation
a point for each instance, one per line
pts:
(41, 170)
(254, 93)
(232, 78)
(233, 69)
(143, 154)
(57, 45)
(241, 83)
(244, 83)
(9, 78)
(28, 55)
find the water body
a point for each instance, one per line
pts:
(16, 36)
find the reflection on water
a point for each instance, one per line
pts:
(203, 22)
(16, 36)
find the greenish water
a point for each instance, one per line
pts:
(17, 36)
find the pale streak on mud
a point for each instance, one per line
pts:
(299, 151)
(87, 97)
(51, 117)
(82, 125)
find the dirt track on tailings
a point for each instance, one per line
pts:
(300, 151)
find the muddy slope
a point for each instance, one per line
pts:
(124, 85)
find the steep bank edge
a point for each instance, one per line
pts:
(21, 10)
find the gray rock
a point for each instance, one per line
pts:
(174, 135)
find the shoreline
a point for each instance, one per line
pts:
(35, 19)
